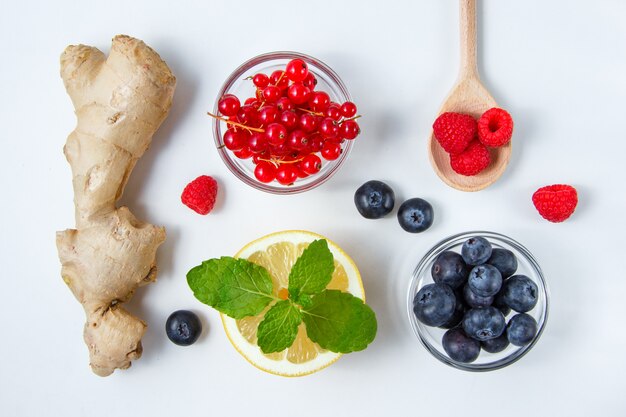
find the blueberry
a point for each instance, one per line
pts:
(495, 345)
(450, 268)
(415, 215)
(434, 304)
(476, 250)
(183, 327)
(485, 280)
(484, 323)
(519, 293)
(374, 199)
(521, 329)
(504, 260)
(459, 311)
(475, 301)
(459, 346)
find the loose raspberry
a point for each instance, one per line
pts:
(454, 131)
(495, 127)
(472, 160)
(556, 202)
(199, 195)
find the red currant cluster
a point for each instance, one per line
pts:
(286, 125)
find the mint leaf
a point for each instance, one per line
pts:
(279, 327)
(312, 271)
(235, 287)
(339, 322)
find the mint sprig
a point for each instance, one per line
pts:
(340, 322)
(337, 321)
(235, 287)
(312, 271)
(279, 327)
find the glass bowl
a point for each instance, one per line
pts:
(237, 84)
(430, 337)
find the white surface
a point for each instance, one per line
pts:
(559, 67)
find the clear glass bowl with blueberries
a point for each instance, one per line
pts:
(241, 84)
(478, 301)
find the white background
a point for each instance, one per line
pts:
(559, 67)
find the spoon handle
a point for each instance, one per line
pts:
(468, 39)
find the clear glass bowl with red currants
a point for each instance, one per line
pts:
(284, 122)
(482, 332)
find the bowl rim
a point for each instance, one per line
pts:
(440, 247)
(228, 158)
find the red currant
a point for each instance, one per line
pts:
(349, 129)
(284, 103)
(261, 80)
(328, 128)
(331, 151)
(286, 174)
(257, 142)
(252, 101)
(311, 164)
(276, 134)
(307, 122)
(228, 105)
(301, 173)
(243, 153)
(297, 70)
(280, 150)
(319, 101)
(310, 81)
(265, 171)
(348, 109)
(235, 139)
(268, 114)
(271, 93)
(297, 140)
(289, 118)
(279, 79)
(333, 111)
(298, 93)
(315, 143)
(247, 115)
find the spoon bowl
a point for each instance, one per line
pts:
(468, 96)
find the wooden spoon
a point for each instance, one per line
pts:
(468, 96)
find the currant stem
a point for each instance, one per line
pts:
(310, 111)
(277, 162)
(230, 122)
(352, 118)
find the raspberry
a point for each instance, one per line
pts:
(472, 160)
(556, 202)
(199, 194)
(495, 127)
(454, 131)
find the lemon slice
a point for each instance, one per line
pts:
(277, 253)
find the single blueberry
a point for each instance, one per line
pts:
(484, 323)
(183, 327)
(434, 304)
(504, 260)
(476, 250)
(450, 268)
(374, 199)
(485, 280)
(519, 293)
(459, 311)
(415, 215)
(459, 346)
(495, 345)
(475, 301)
(521, 329)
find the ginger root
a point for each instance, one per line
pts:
(120, 101)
